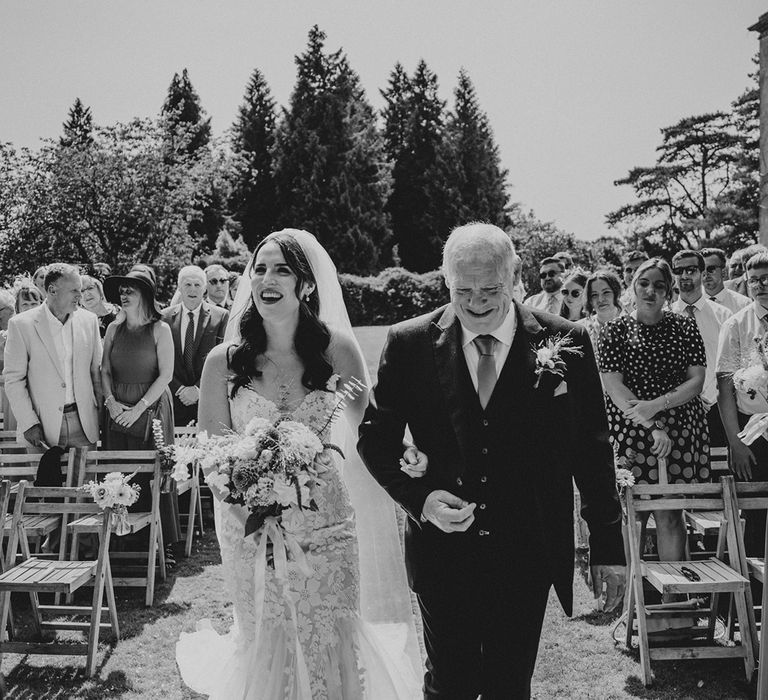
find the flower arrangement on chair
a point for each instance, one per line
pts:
(114, 492)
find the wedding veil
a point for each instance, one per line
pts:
(385, 598)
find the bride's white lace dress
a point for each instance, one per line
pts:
(307, 640)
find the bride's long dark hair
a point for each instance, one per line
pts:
(312, 335)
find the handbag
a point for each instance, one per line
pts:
(142, 428)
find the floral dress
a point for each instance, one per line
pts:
(300, 637)
(652, 361)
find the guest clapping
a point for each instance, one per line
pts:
(94, 301)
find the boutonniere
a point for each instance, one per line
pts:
(549, 356)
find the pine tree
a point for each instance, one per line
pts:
(187, 126)
(413, 136)
(471, 164)
(253, 201)
(78, 129)
(330, 172)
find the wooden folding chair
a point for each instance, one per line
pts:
(191, 486)
(93, 465)
(34, 575)
(707, 576)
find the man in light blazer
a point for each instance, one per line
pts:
(52, 367)
(197, 327)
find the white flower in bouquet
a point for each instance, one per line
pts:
(113, 477)
(101, 495)
(298, 442)
(257, 427)
(125, 495)
(218, 480)
(624, 478)
(285, 492)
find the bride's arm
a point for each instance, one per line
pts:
(213, 411)
(348, 363)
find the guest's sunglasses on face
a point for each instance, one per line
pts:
(713, 268)
(575, 293)
(127, 291)
(687, 270)
(549, 273)
(213, 280)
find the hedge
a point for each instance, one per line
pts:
(393, 295)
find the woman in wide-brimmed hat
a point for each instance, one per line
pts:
(136, 370)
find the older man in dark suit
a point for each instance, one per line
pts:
(490, 525)
(197, 327)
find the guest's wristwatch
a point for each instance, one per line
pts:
(658, 425)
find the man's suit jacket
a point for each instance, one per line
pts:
(211, 324)
(515, 459)
(34, 375)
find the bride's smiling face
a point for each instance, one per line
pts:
(273, 286)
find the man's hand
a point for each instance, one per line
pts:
(35, 435)
(448, 512)
(414, 462)
(614, 578)
(188, 395)
(742, 460)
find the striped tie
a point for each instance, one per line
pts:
(189, 341)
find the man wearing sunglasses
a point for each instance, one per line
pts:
(551, 279)
(687, 267)
(218, 286)
(737, 349)
(713, 280)
(632, 260)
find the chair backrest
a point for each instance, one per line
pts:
(93, 464)
(46, 500)
(16, 467)
(718, 460)
(650, 497)
(750, 495)
(7, 436)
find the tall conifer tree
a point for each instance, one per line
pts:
(414, 126)
(330, 171)
(253, 201)
(78, 129)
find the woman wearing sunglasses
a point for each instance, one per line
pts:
(573, 295)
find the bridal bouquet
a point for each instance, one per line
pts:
(116, 493)
(271, 467)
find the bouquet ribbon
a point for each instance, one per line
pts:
(756, 426)
(282, 543)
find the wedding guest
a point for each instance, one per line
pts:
(572, 306)
(739, 283)
(52, 359)
(631, 261)
(687, 267)
(713, 280)
(565, 258)
(602, 293)
(28, 296)
(653, 363)
(218, 285)
(94, 301)
(551, 275)
(197, 327)
(136, 372)
(7, 309)
(738, 350)
(39, 279)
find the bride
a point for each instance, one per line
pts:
(346, 631)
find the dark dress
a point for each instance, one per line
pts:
(652, 361)
(104, 322)
(134, 365)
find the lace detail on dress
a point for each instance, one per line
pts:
(326, 603)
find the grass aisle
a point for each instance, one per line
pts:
(577, 656)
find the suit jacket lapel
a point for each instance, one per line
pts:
(460, 396)
(44, 331)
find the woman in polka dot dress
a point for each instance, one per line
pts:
(652, 362)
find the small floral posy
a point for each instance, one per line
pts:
(549, 356)
(116, 493)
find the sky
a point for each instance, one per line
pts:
(575, 90)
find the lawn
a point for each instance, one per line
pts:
(578, 657)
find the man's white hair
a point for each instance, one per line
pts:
(191, 270)
(479, 242)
